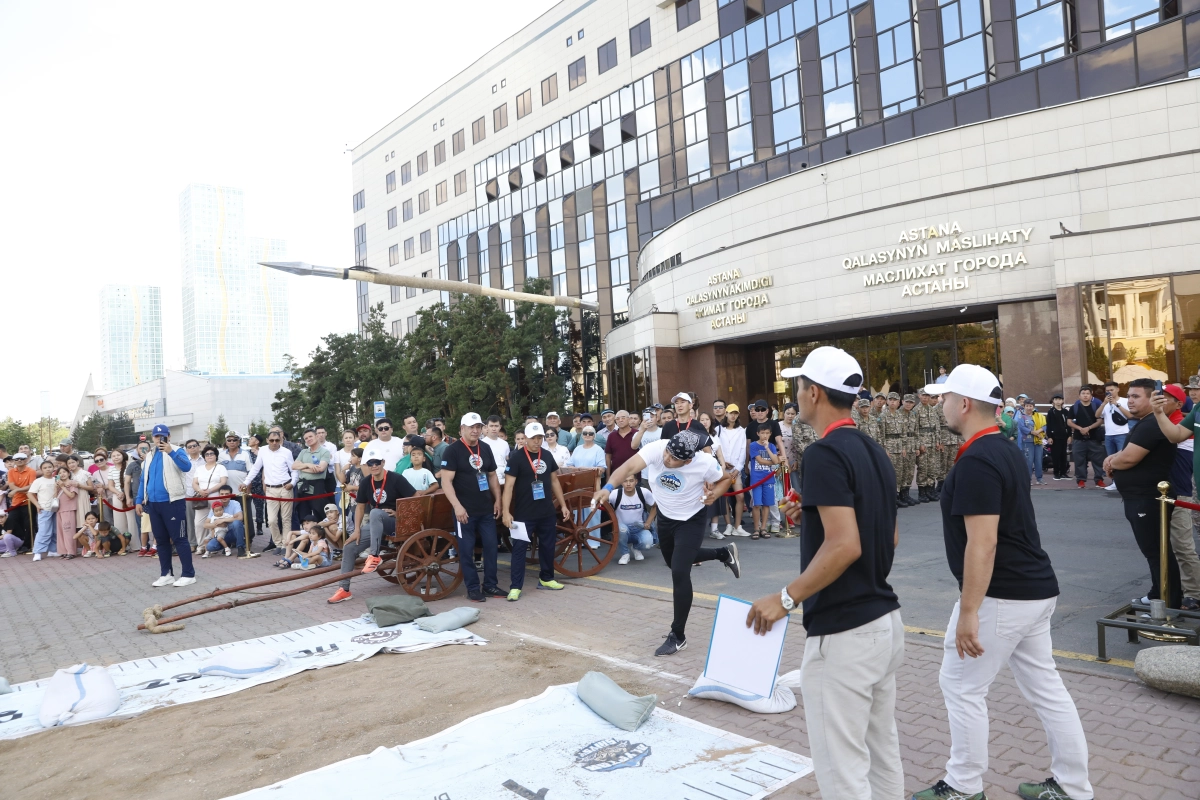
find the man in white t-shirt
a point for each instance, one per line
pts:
(1114, 434)
(684, 481)
(389, 448)
(500, 448)
(634, 528)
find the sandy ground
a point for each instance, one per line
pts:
(220, 747)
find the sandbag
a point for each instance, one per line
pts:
(4, 687)
(602, 695)
(243, 661)
(395, 609)
(450, 620)
(781, 700)
(78, 694)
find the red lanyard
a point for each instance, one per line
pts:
(841, 423)
(963, 448)
(530, 460)
(374, 491)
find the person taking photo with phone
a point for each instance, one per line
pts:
(161, 494)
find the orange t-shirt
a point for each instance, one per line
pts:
(20, 478)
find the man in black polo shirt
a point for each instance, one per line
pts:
(378, 492)
(855, 635)
(1087, 430)
(529, 501)
(684, 421)
(1007, 595)
(1138, 468)
(468, 478)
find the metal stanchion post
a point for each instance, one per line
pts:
(247, 523)
(1158, 610)
(787, 533)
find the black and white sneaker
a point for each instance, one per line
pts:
(671, 646)
(734, 564)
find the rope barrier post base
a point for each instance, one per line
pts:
(247, 526)
(787, 532)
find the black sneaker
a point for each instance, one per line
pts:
(1190, 604)
(734, 564)
(495, 592)
(477, 597)
(671, 646)
(241, 552)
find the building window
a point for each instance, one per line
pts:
(837, 74)
(1041, 31)
(427, 274)
(422, 163)
(405, 172)
(423, 202)
(897, 67)
(391, 217)
(395, 294)
(426, 241)
(459, 141)
(524, 103)
(460, 183)
(393, 256)
(360, 245)
(687, 12)
(359, 200)
(1122, 17)
(408, 248)
(440, 193)
(550, 89)
(962, 38)
(639, 37)
(412, 323)
(406, 209)
(577, 74)
(478, 130)
(439, 153)
(606, 56)
(397, 331)
(500, 118)
(410, 292)
(390, 181)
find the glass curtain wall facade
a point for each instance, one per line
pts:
(786, 86)
(130, 335)
(1140, 328)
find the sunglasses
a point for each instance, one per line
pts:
(273, 440)
(384, 428)
(589, 434)
(232, 439)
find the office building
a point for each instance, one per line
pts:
(235, 312)
(736, 181)
(130, 335)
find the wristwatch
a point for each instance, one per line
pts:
(786, 600)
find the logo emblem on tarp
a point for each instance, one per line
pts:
(609, 754)
(376, 637)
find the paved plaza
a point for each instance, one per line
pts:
(1143, 743)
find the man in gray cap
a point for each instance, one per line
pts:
(684, 480)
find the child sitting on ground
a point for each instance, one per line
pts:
(763, 458)
(88, 537)
(332, 527)
(418, 476)
(297, 543)
(316, 550)
(109, 540)
(9, 544)
(216, 526)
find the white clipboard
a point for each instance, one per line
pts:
(518, 531)
(739, 657)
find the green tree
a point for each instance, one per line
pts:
(258, 428)
(119, 431)
(216, 432)
(541, 371)
(291, 404)
(13, 434)
(89, 432)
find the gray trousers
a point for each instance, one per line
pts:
(377, 524)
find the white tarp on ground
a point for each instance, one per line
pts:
(173, 679)
(553, 746)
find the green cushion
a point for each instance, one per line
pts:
(450, 620)
(395, 609)
(602, 695)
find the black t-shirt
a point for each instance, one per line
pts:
(383, 493)
(524, 507)
(1140, 482)
(847, 468)
(995, 481)
(752, 430)
(468, 464)
(672, 428)
(1084, 415)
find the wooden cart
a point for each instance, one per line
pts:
(422, 564)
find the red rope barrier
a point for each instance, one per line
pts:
(114, 508)
(292, 499)
(769, 477)
(235, 497)
(1185, 504)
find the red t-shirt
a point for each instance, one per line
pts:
(619, 447)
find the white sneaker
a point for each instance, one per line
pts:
(1112, 487)
(729, 530)
(774, 527)
(740, 531)
(206, 554)
(185, 581)
(637, 555)
(199, 549)
(716, 534)
(37, 556)
(8, 554)
(165, 580)
(228, 552)
(623, 559)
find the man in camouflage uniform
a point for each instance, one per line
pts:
(949, 441)
(892, 428)
(803, 435)
(929, 458)
(861, 414)
(911, 447)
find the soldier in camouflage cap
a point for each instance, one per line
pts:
(892, 428)
(863, 419)
(929, 457)
(803, 435)
(911, 447)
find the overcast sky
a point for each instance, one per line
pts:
(111, 108)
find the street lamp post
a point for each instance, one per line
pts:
(367, 275)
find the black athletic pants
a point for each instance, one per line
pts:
(1086, 450)
(1143, 518)
(680, 542)
(1058, 456)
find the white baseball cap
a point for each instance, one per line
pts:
(550, 414)
(830, 367)
(470, 418)
(534, 429)
(373, 454)
(684, 395)
(973, 381)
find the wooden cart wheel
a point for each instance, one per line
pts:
(424, 567)
(387, 571)
(587, 541)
